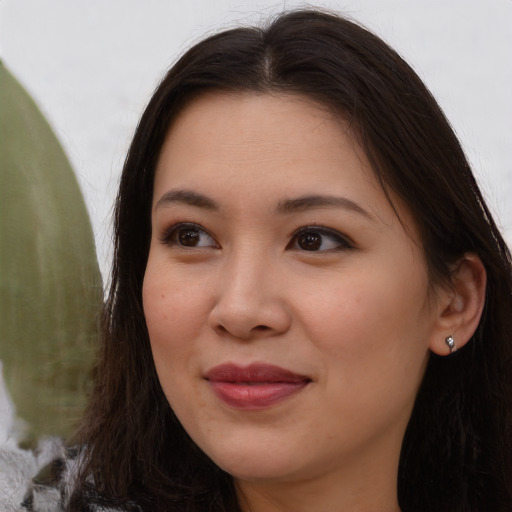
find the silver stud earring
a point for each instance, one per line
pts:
(451, 344)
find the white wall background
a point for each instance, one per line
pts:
(92, 64)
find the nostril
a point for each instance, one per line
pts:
(262, 328)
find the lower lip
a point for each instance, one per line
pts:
(255, 396)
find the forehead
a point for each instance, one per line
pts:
(251, 133)
(250, 117)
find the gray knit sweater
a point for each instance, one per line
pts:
(22, 477)
(24, 483)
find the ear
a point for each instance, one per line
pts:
(460, 305)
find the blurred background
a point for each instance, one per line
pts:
(91, 66)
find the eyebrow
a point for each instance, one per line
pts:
(312, 202)
(187, 197)
(285, 206)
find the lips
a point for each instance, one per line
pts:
(254, 387)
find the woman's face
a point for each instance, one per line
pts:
(288, 307)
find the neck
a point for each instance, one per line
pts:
(364, 479)
(370, 490)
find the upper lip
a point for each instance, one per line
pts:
(255, 372)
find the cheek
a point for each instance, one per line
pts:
(376, 317)
(174, 308)
(373, 345)
(174, 319)
(176, 313)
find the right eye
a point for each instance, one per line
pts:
(188, 235)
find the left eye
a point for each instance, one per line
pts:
(318, 239)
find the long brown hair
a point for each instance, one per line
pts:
(456, 454)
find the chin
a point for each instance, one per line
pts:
(253, 472)
(258, 464)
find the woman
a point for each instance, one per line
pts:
(310, 306)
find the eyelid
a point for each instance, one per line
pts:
(167, 233)
(345, 242)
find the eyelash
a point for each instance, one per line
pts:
(169, 236)
(341, 242)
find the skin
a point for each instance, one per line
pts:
(356, 315)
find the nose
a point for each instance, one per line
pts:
(250, 301)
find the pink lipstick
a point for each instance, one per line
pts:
(254, 387)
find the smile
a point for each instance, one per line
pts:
(254, 387)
